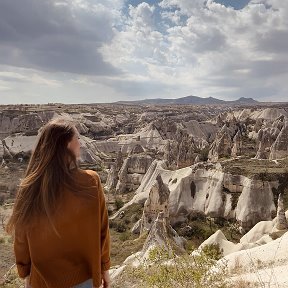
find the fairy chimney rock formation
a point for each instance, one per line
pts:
(281, 221)
(237, 145)
(266, 137)
(222, 145)
(163, 236)
(279, 148)
(112, 178)
(157, 236)
(156, 202)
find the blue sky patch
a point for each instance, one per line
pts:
(236, 4)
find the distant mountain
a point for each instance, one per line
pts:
(198, 100)
(244, 100)
(191, 100)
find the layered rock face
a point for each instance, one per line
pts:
(133, 170)
(206, 189)
(20, 131)
(92, 126)
(17, 122)
(17, 144)
(20, 145)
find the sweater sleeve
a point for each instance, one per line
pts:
(105, 233)
(22, 253)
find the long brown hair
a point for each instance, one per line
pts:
(51, 165)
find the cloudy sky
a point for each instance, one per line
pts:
(83, 51)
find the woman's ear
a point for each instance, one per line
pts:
(69, 145)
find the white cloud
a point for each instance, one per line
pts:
(141, 17)
(173, 49)
(22, 75)
(4, 87)
(55, 36)
(173, 16)
(209, 52)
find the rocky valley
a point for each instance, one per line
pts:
(180, 177)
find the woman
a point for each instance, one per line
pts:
(60, 219)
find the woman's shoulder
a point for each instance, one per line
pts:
(87, 173)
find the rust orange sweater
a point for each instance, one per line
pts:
(83, 250)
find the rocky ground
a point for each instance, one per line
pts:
(178, 172)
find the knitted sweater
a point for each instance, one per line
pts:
(82, 252)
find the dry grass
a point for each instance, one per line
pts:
(120, 249)
(11, 279)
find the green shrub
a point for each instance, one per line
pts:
(204, 154)
(182, 271)
(118, 203)
(2, 199)
(213, 251)
(134, 218)
(120, 227)
(124, 236)
(195, 230)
